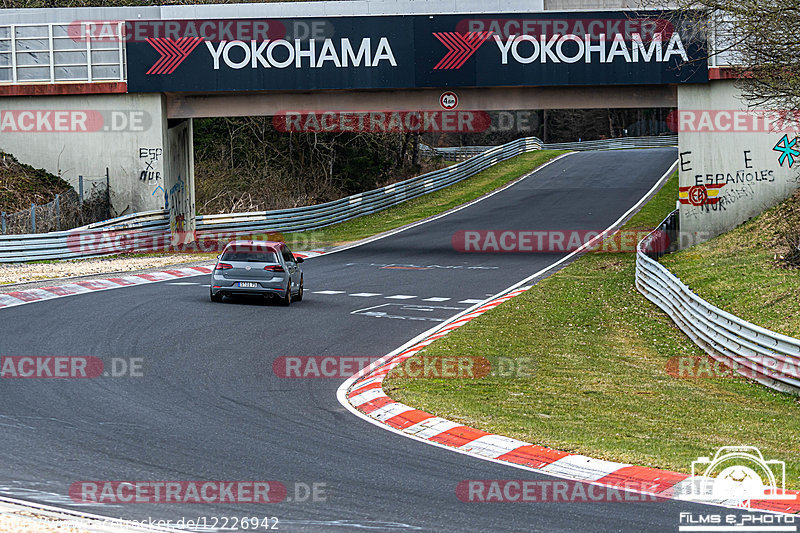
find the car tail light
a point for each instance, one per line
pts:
(274, 268)
(223, 266)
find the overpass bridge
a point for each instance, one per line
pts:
(89, 88)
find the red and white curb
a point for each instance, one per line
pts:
(13, 299)
(312, 253)
(366, 394)
(363, 395)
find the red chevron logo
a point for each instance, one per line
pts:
(459, 47)
(173, 52)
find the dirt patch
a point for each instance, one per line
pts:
(22, 185)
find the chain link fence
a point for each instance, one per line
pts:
(90, 203)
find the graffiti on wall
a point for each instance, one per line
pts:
(177, 202)
(716, 191)
(787, 150)
(150, 156)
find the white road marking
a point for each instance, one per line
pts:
(436, 299)
(470, 301)
(365, 294)
(184, 283)
(341, 392)
(407, 310)
(328, 292)
(400, 297)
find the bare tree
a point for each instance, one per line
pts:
(761, 42)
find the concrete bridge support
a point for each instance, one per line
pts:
(731, 165)
(150, 158)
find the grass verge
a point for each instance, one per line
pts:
(417, 209)
(425, 206)
(601, 387)
(741, 272)
(352, 230)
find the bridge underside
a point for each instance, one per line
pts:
(184, 105)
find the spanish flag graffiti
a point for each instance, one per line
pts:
(700, 194)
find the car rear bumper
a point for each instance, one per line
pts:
(227, 287)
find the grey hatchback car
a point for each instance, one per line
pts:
(262, 268)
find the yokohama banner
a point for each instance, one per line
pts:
(397, 52)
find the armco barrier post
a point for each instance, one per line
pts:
(58, 213)
(33, 218)
(80, 191)
(108, 195)
(3, 222)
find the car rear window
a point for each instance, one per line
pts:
(249, 255)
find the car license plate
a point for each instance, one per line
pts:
(248, 284)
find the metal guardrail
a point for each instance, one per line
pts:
(319, 216)
(123, 233)
(143, 231)
(81, 51)
(134, 220)
(616, 144)
(765, 356)
(459, 153)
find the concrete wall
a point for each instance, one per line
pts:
(180, 181)
(729, 170)
(84, 134)
(469, 98)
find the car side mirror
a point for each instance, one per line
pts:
(299, 260)
(219, 256)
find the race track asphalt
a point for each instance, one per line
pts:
(209, 407)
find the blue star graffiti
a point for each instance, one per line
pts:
(787, 150)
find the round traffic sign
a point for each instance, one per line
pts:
(448, 100)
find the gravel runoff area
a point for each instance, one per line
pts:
(21, 518)
(21, 276)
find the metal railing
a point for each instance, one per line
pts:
(460, 153)
(122, 233)
(662, 240)
(69, 209)
(56, 53)
(765, 356)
